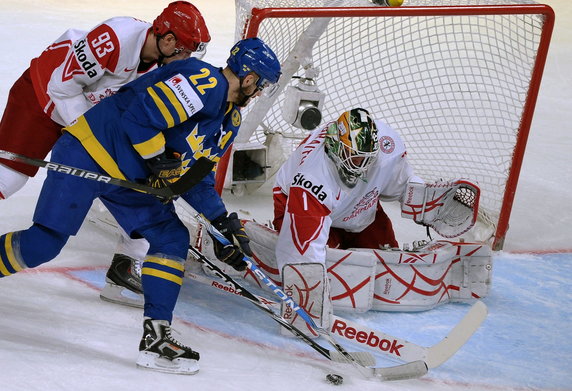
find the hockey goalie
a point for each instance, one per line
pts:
(334, 247)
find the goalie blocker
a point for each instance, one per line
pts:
(428, 275)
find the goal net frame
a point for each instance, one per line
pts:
(296, 62)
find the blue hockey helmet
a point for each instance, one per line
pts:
(253, 55)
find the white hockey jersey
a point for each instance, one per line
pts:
(318, 200)
(81, 68)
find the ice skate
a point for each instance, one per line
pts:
(159, 351)
(123, 282)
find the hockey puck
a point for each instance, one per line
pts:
(334, 379)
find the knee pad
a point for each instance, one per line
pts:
(169, 237)
(39, 244)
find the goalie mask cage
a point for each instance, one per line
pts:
(457, 79)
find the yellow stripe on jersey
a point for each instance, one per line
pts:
(82, 131)
(229, 107)
(161, 274)
(11, 257)
(151, 147)
(174, 101)
(162, 107)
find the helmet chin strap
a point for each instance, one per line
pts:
(246, 97)
(162, 55)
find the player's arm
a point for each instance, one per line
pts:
(88, 60)
(166, 103)
(402, 174)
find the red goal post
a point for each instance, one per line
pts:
(457, 79)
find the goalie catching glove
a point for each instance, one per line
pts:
(450, 208)
(231, 227)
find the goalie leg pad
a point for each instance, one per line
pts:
(471, 278)
(350, 273)
(308, 286)
(431, 275)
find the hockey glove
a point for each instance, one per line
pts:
(165, 169)
(231, 227)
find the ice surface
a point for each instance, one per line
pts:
(56, 334)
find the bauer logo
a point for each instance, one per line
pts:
(301, 181)
(185, 94)
(368, 338)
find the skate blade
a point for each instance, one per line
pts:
(179, 366)
(120, 295)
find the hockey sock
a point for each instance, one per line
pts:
(10, 259)
(162, 279)
(39, 244)
(168, 237)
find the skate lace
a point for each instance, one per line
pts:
(171, 339)
(136, 265)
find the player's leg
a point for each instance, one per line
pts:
(29, 248)
(10, 181)
(25, 129)
(162, 276)
(123, 278)
(377, 234)
(61, 208)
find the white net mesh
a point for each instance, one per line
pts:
(454, 86)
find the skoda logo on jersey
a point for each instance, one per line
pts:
(300, 181)
(386, 144)
(86, 65)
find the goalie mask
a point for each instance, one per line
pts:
(353, 145)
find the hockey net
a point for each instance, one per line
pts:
(458, 79)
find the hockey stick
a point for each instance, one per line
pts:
(365, 358)
(192, 177)
(394, 347)
(362, 359)
(407, 371)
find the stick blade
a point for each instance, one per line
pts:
(202, 167)
(457, 337)
(412, 370)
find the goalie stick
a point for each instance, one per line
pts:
(407, 371)
(364, 358)
(402, 349)
(410, 370)
(192, 177)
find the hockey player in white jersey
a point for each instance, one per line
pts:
(75, 73)
(328, 193)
